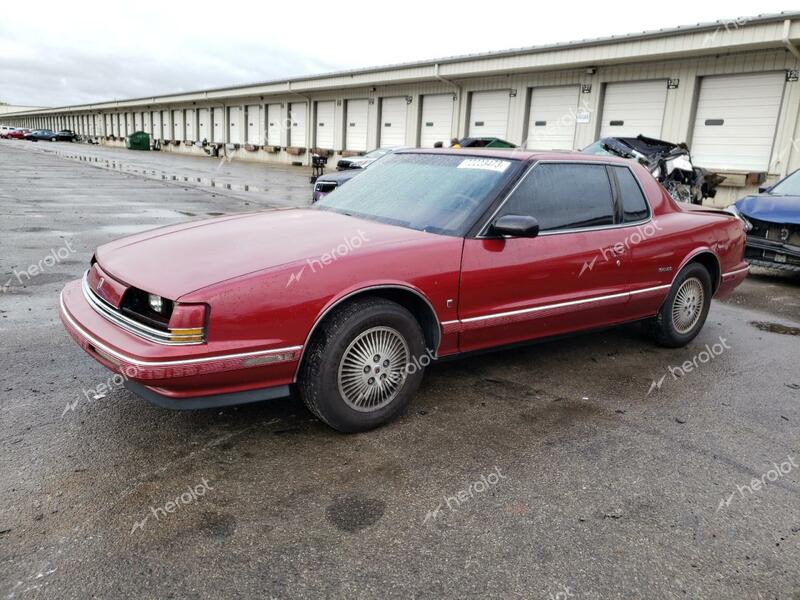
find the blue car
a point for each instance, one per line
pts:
(772, 220)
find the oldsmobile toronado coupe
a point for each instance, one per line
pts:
(429, 254)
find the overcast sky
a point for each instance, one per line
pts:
(56, 53)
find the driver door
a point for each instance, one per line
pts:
(567, 278)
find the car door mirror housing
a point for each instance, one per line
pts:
(516, 226)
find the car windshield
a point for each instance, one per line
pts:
(789, 186)
(427, 192)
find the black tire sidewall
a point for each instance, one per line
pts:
(331, 406)
(667, 330)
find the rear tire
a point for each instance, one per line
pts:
(684, 312)
(362, 366)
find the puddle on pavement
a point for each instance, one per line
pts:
(775, 327)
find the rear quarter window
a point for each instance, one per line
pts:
(634, 205)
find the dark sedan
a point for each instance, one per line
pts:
(773, 218)
(42, 134)
(66, 135)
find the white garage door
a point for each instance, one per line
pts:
(489, 114)
(177, 125)
(254, 124)
(393, 122)
(437, 120)
(148, 122)
(137, 121)
(203, 124)
(189, 114)
(297, 119)
(356, 117)
(325, 133)
(235, 129)
(736, 120)
(218, 117)
(109, 125)
(634, 108)
(158, 132)
(274, 124)
(551, 120)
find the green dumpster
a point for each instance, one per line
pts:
(138, 140)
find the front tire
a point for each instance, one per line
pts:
(363, 366)
(684, 312)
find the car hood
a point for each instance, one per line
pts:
(175, 260)
(770, 208)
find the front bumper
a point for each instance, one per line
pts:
(772, 253)
(177, 373)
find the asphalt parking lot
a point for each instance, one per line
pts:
(580, 468)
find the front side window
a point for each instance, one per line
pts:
(564, 196)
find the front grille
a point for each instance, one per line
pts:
(786, 234)
(325, 187)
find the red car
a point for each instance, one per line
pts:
(428, 254)
(17, 134)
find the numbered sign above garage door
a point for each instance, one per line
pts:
(325, 132)
(356, 118)
(551, 120)
(437, 120)
(735, 122)
(632, 108)
(488, 114)
(394, 112)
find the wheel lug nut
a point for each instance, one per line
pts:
(371, 380)
(376, 358)
(386, 363)
(366, 369)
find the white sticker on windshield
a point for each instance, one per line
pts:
(485, 164)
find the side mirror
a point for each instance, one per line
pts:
(516, 226)
(763, 189)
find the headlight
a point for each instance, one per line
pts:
(735, 212)
(156, 303)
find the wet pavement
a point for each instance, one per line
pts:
(597, 466)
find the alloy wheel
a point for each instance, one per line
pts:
(688, 305)
(373, 369)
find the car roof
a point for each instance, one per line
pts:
(523, 155)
